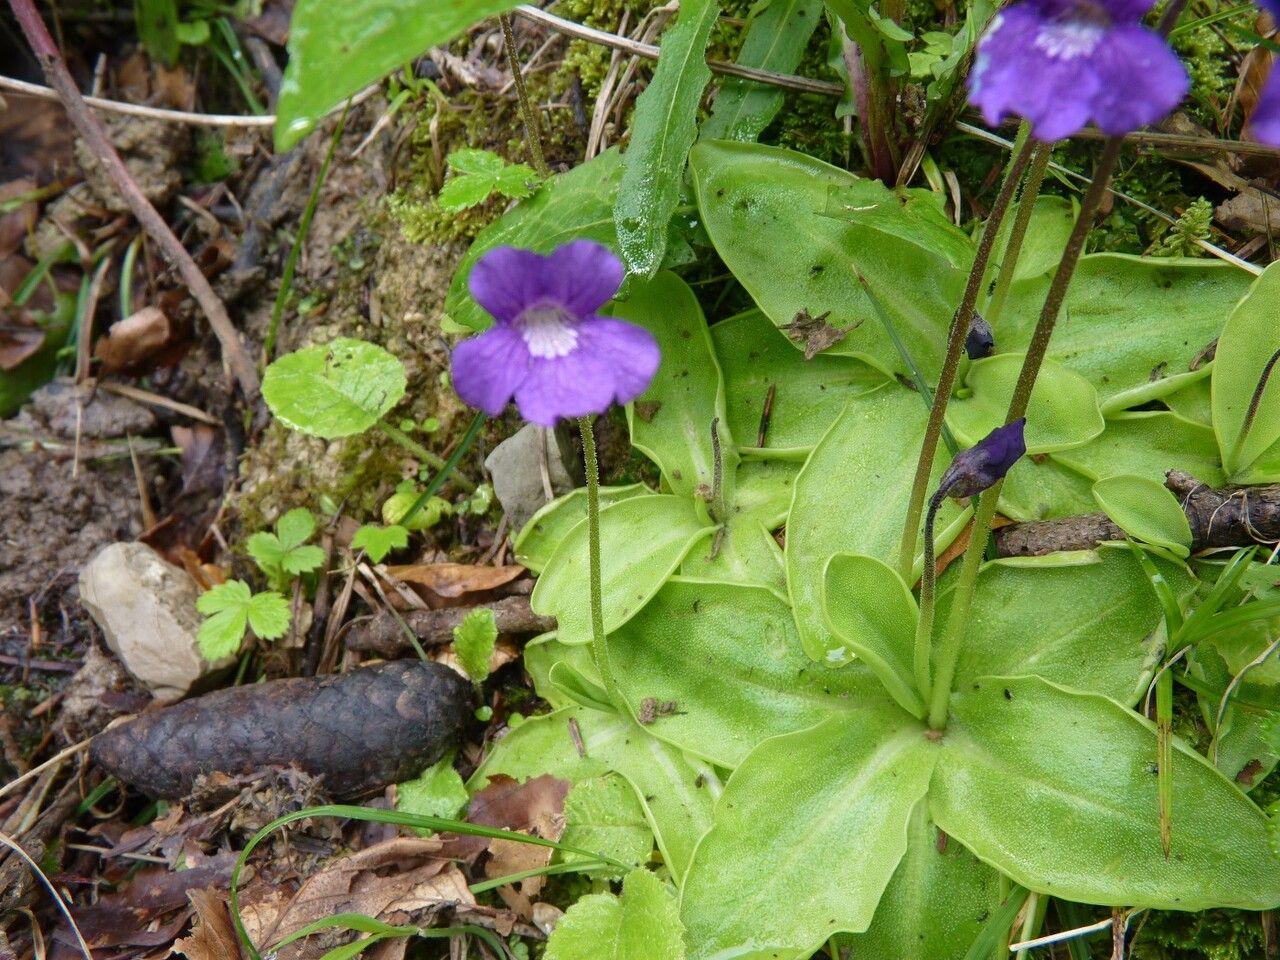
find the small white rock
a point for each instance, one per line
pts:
(146, 608)
(516, 468)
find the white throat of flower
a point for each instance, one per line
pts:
(1068, 39)
(549, 331)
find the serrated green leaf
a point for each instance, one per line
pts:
(232, 595)
(642, 924)
(302, 559)
(295, 527)
(515, 180)
(437, 792)
(267, 552)
(462, 192)
(336, 49)
(220, 636)
(473, 641)
(663, 129)
(603, 815)
(268, 615)
(334, 390)
(378, 541)
(473, 161)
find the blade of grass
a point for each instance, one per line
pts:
(996, 930)
(1164, 757)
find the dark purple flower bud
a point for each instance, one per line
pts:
(979, 467)
(980, 342)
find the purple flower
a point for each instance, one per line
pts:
(1264, 123)
(548, 348)
(979, 467)
(1062, 63)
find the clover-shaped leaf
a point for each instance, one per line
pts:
(231, 607)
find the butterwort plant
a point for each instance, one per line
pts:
(551, 351)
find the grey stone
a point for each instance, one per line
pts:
(146, 608)
(516, 468)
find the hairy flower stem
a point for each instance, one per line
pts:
(599, 651)
(928, 580)
(962, 598)
(1021, 220)
(532, 134)
(951, 363)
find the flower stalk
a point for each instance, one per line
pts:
(949, 646)
(599, 651)
(532, 133)
(1021, 220)
(951, 362)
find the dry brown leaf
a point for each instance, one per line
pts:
(511, 856)
(214, 936)
(509, 805)
(404, 875)
(17, 340)
(134, 341)
(443, 582)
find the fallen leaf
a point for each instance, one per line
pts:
(404, 875)
(214, 936)
(130, 344)
(814, 333)
(439, 583)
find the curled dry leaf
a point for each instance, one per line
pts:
(133, 343)
(400, 880)
(449, 584)
(213, 937)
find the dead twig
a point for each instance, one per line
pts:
(235, 357)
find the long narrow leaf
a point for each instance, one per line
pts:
(663, 130)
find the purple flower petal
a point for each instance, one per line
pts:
(560, 388)
(582, 276)
(1013, 76)
(1264, 123)
(631, 352)
(488, 369)
(1060, 65)
(506, 280)
(1142, 79)
(1272, 7)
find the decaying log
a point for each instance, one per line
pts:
(1230, 517)
(359, 731)
(383, 635)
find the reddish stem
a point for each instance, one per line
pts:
(234, 355)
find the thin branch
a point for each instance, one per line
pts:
(1205, 245)
(234, 354)
(648, 51)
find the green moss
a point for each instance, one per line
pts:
(1208, 935)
